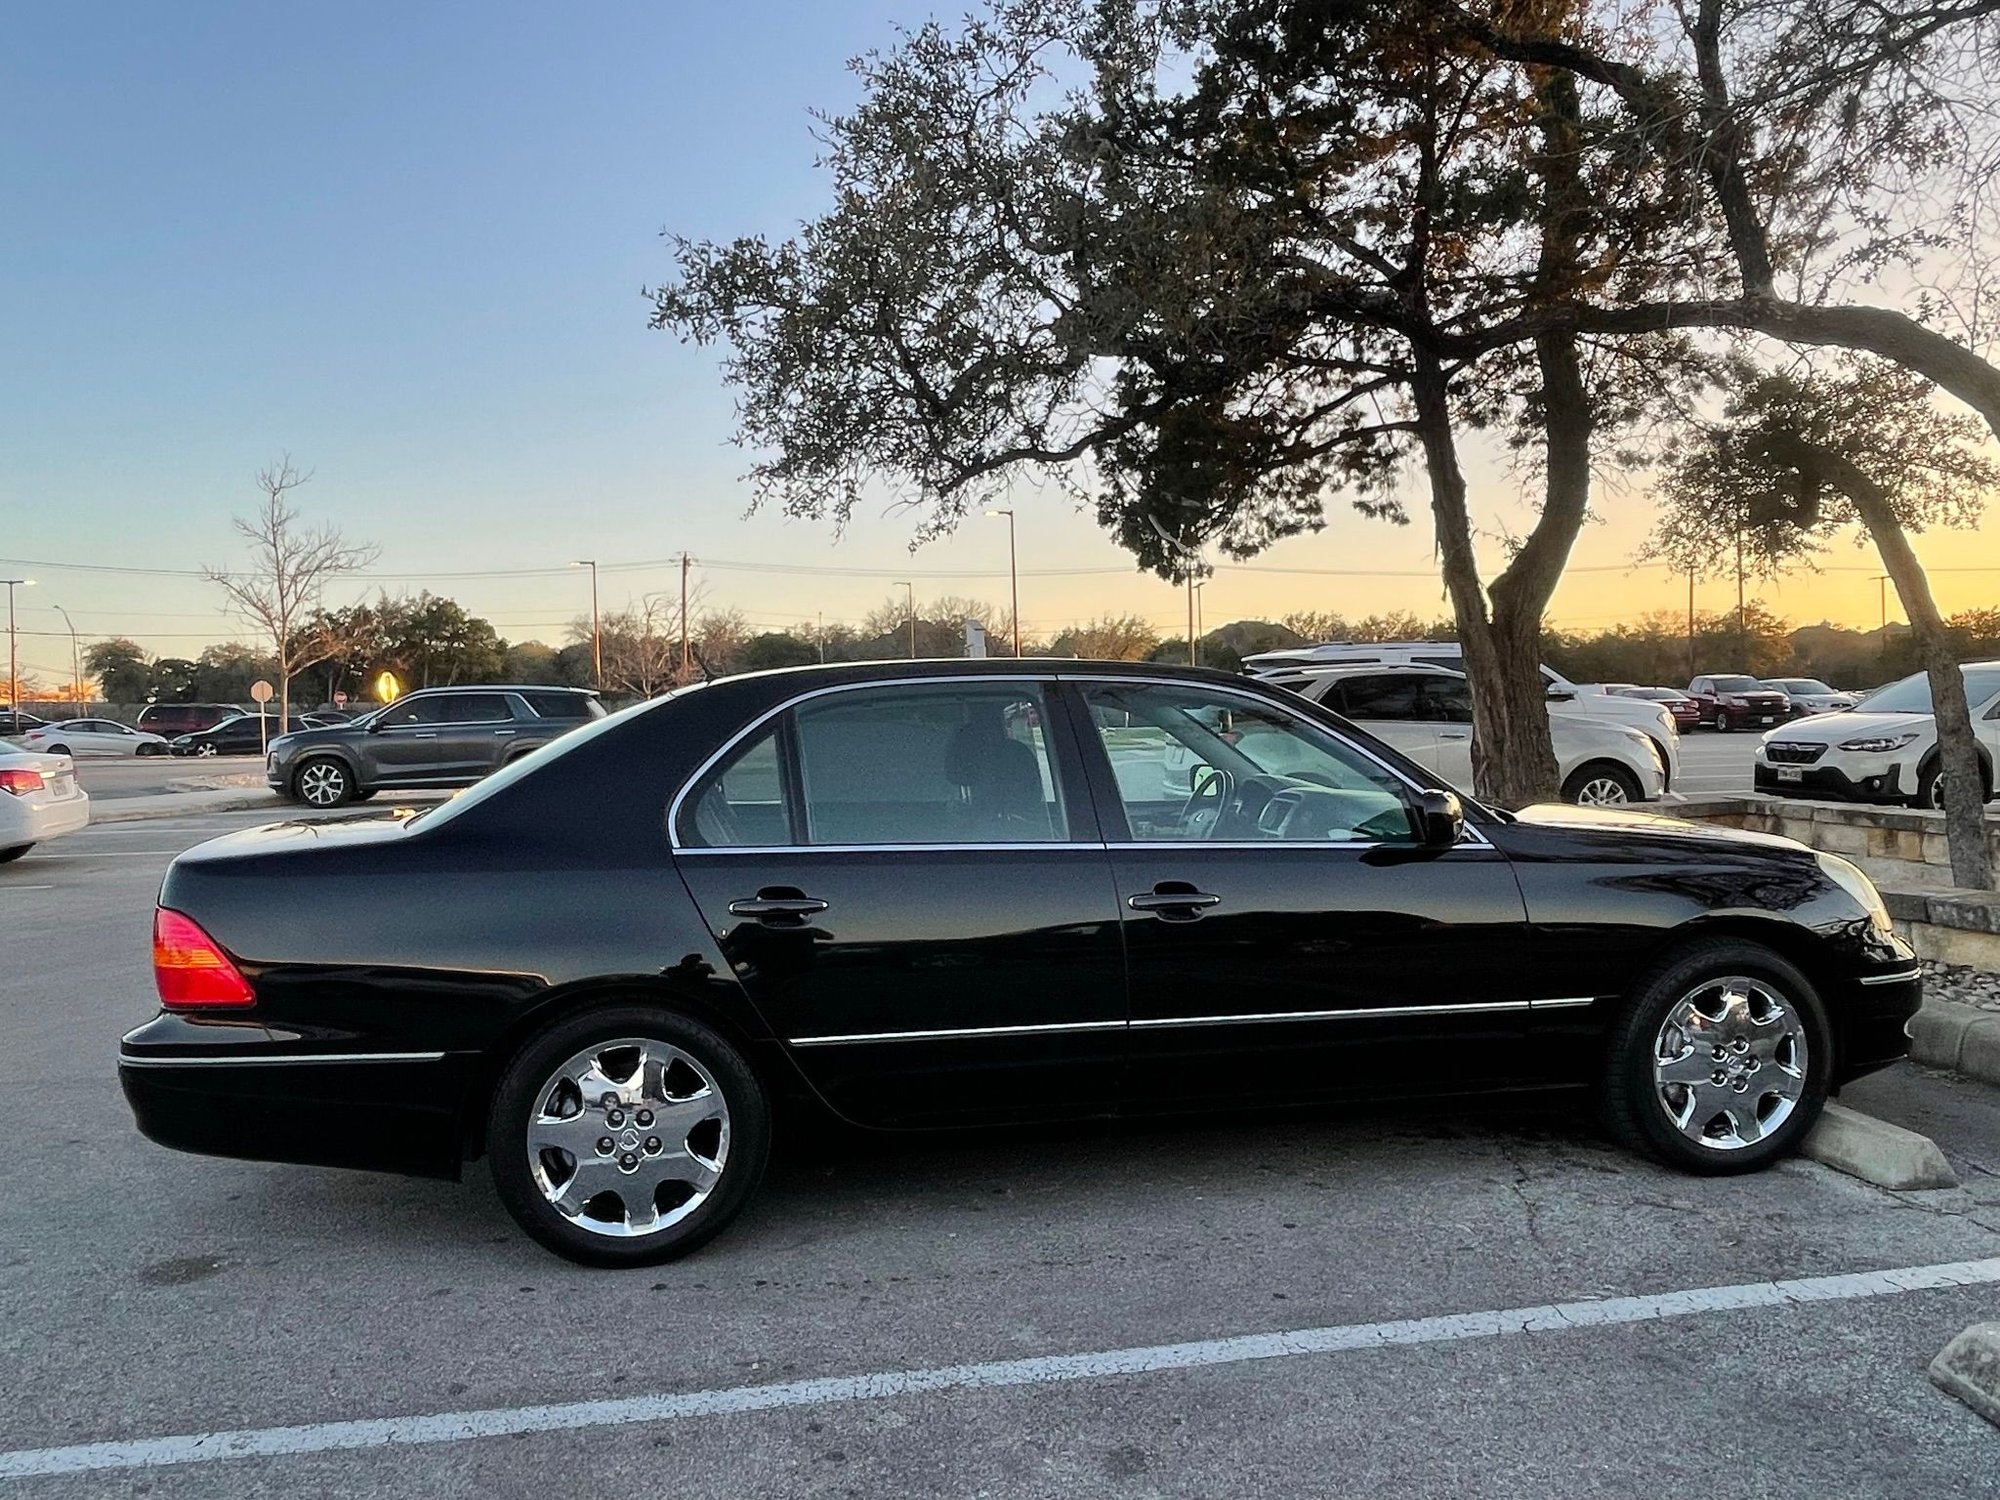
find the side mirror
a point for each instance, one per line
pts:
(1561, 692)
(1440, 819)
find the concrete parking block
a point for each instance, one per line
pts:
(1937, 1032)
(1969, 1368)
(1876, 1151)
(1979, 1057)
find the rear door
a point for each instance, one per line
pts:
(908, 880)
(478, 731)
(1287, 939)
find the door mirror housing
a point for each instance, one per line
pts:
(1561, 692)
(1440, 819)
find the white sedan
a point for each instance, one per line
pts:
(39, 798)
(93, 737)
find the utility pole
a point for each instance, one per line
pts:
(819, 635)
(904, 583)
(1197, 607)
(13, 650)
(1692, 668)
(1013, 579)
(596, 626)
(75, 660)
(1190, 594)
(1882, 594)
(686, 563)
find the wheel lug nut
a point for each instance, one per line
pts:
(605, 1145)
(628, 1160)
(1740, 1045)
(652, 1145)
(1718, 1077)
(1718, 1053)
(1741, 1084)
(645, 1118)
(615, 1118)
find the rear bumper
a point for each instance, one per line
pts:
(29, 822)
(237, 1089)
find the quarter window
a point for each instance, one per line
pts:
(1194, 764)
(742, 805)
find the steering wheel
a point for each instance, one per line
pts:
(1209, 797)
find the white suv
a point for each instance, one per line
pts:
(1426, 712)
(1884, 749)
(1576, 698)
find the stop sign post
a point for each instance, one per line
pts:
(260, 694)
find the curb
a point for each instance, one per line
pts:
(1969, 1369)
(1877, 1152)
(1963, 1038)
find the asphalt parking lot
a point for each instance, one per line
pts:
(988, 1312)
(147, 775)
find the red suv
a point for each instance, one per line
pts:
(1738, 702)
(172, 719)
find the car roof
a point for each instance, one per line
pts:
(500, 687)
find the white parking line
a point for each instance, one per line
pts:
(1050, 1369)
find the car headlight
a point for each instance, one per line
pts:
(1850, 878)
(1880, 743)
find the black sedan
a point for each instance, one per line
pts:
(923, 894)
(246, 734)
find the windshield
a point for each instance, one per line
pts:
(1913, 694)
(1808, 685)
(1738, 685)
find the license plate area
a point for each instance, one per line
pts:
(1790, 773)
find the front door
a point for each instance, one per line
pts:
(908, 881)
(1288, 938)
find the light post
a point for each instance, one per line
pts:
(75, 660)
(1882, 597)
(13, 649)
(904, 583)
(1013, 578)
(1199, 586)
(596, 631)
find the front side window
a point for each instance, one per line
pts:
(945, 763)
(1191, 763)
(414, 711)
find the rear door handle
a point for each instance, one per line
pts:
(1174, 900)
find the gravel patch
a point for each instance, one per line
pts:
(1968, 986)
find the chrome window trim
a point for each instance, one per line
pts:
(1264, 845)
(1901, 976)
(1473, 837)
(127, 1060)
(1159, 1023)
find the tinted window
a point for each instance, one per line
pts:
(476, 708)
(1391, 696)
(1195, 764)
(957, 763)
(562, 705)
(1737, 685)
(1913, 694)
(429, 710)
(1448, 700)
(741, 805)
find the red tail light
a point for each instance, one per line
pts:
(20, 782)
(190, 970)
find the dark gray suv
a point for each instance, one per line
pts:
(440, 737)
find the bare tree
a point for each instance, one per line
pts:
(290, 563)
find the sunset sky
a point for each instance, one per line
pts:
(407, 244)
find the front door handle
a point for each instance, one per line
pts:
(1174, 900)
(425, 734)
(1453, 734)
(778, 904)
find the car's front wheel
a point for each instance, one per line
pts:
(627, 1135)
(323, 783)
(1930, 788)
(1720, 1062)
(1723, 723)
(1601, 783)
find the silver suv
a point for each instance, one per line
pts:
(437, 737)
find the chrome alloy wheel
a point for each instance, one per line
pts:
(323, 783)
(1729, 1063)
(628, 1137)
(1603, 791)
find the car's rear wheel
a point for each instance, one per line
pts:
(1601, 783)
(1721, 1062)
(151, 750)
(8, 856)
(627, 1136)
(205, 748)
(323, 783)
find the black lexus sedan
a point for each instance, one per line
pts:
(921, 894)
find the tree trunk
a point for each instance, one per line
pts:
(1958, 747)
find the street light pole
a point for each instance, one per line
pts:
(1882, 594)
(596, 630)
(1013, 578)
(75, 660)
(906, 584)
(1197, 607)
(13, 649)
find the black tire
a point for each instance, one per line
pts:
(206, 748)
(1723, 723)
(531, 1072)
(361, 795)
(322, 782)
(1930, 786)
(1601, 771)
(1633, 1105)
(8, 856)
(145, 750)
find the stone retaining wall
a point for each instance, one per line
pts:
(1900, 848)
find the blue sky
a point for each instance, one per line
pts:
(407, 244)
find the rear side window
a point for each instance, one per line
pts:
(476, 708)
(955, 763)
(1386, 697)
